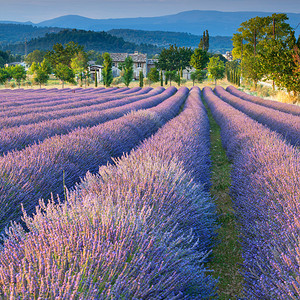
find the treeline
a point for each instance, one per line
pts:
(165, 38)
(91, 40)
(13, 33)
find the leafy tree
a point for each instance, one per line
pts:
(64, 73)
(168, 59)
(79, 64)
(127, 70)
(36, 56)
(161, 78)
(171, 76)
(174, 59)
(141, 79)
(199, 59)
(215, 68)
(18, 73)
(60, 59)
(41, 72)
(153, 75)
(107, 69)
(3, 75)
(198, 75)
(255, 45)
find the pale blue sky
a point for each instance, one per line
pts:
(40, 10)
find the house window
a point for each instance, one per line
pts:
(113, 64)
(139, 65)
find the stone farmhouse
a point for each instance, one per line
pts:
(140, 63)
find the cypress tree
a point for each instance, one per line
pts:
(141, 79)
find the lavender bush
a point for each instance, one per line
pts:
(286, 124)
(284, 107)
(266, 192)
(126, 232)
(34, 172)
(17, 138)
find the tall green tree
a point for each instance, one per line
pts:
(3, 75)
(36, 56)
(255, 45)
(64, 73)
(79, 64)
(153, 75)
(107, 69)
(204, 41)
(174, 59)
(199, 59)
(216, 69)
(141, 79)
(41, 72)
(127, 70)
(18, 73)
(198, 75)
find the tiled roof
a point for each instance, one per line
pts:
(118, 57)
(138, 57)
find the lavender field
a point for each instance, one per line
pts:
(106, 193)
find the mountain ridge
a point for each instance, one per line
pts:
(218, 23)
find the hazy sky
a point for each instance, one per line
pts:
(40, 10)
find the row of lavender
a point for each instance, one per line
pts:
(34, 172)
(16, 138)
(55, 103)
(21, 98)
(140, 229)
(286, 124)
(284, 107)
(266, 192)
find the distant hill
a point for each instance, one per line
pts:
(165, 38)
(195, 22)
(12, 33)
(99, 41)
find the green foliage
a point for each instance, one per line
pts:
(18, 73)
(174, 58)
(264, 46)
(40, 71)
(204, 41)
(141, 79)
(198, 75)
(60, 59)
(161, 78)
(233, 72)
(92, 40)
(215, 68)
(4, 58)
(79, 64)
(199, 59)
(64, 73)
(153, 75)
(4, 75)
(36, 56)
(127, 70)
(107, 69)
(171, 76)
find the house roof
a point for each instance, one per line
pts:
(136, 57)
(119, 57)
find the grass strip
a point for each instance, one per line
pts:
(227, 254)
